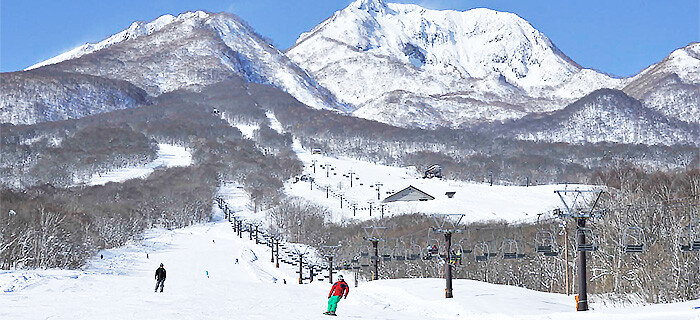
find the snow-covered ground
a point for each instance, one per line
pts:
(120, 286)
(478, 201)
(168, 156)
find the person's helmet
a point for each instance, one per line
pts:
(161, 264)
(340, 277)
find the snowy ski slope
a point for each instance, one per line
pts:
(120, 286)
(478, 201)
(168, 156)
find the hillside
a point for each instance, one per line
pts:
(41, 95)
(604, 116)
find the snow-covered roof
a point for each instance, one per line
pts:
(410, 193)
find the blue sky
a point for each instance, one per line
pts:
(619, 37)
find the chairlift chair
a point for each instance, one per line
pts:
(481, 252)
(590, 244)
(633, 240)
(466, 249)
(399, 253)
(413, 252)
(511, 249)
(431, 249)
(544, 242)
(689, 238)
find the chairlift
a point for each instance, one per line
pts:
(399, 253)
(431, 249)
(385, 254)
(456, 255)
(689, 238)
(481, 252)
(511, 250)
(590, 244)
(414, 252)
(545, 243)
(633, 240)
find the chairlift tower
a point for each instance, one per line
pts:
(351, 173)
(329, 252)
(375, 234)
(580, 209)
(301, 255)
(447, 224)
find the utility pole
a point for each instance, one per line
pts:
(341, 201)
(447, 224)
(313, 164)
(311, 183)
(375, 234)
(240, 229)
(328, 166)
(370, 209)
(580, 211)
(327, 187)
(354, 209)
(490, 178)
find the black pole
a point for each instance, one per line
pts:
(370, 209)
(582, 304)
(448, 267)
(382, 211)
(256, 235)
(272, 250)
(277, 253)
(240, 229)
(250, 232)
(327, 192)
(301, 262)
(330, 269)
(375, 244)
(341, 202)
(311, 273)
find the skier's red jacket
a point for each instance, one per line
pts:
(339, 288)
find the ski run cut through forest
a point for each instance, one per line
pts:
(215, 273)
(205, 282)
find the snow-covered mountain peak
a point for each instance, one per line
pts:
(369, 5)
(191, 50)
(441, 62)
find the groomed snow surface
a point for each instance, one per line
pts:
(478, 201)
(168, 156)
(120, 286)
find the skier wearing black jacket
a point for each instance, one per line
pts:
(160, 278)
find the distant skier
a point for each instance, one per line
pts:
(338, 290)
(160, 278)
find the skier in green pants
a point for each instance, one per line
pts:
(338, 290)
